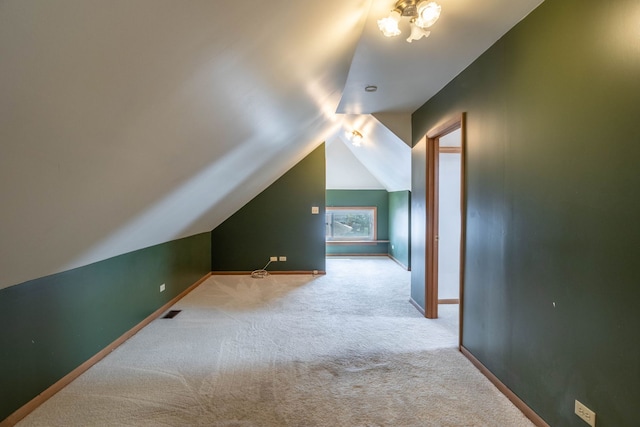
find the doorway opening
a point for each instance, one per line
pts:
(445, 217)
(449, 217)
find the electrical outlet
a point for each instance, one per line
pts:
(273, 259)
(315, 210)
(586, 414)
(162, 287)
(283, 258)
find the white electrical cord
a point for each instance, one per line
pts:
(262, 273)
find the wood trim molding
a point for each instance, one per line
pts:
(30, 406)
(351, 208)
(350, 255)
(446, 126)
(431, 279)
(450, 150)
(519, 403)
(449, 301)
(463, 225)
(273, 273)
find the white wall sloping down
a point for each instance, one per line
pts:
(128, 124)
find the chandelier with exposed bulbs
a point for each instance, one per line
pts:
(422, 14)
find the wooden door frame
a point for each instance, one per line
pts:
(431, 280)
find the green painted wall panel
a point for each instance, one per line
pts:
(54, 324)
(399, 226)
(381, 248)
(277, 222)
(551, 284)
(377, 198)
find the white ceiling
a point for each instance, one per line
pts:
(124, 124)
(408, 74)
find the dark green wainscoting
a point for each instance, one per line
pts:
(53, 324)
(552, 282)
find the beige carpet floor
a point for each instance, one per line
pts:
(345, 349)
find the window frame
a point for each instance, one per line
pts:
(372, 210)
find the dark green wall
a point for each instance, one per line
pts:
(278, 222)
(551, 277)
(377, 198)
(53, 324)
(399, 227)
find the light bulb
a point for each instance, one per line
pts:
(428, 14)
(389, 25)
(416, 32)
(355, 137)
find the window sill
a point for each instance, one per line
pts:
(355, 242)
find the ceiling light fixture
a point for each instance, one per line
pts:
(422, 14)
(355, 137)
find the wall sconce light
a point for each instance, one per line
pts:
(422, 13)
(355, 137)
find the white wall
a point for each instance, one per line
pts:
(125, 124)
(449, 221)
(345, 171)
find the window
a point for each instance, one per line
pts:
(350, 223)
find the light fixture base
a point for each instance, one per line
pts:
(422, 13)
(407, 7)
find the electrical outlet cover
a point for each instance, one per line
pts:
(586, 414)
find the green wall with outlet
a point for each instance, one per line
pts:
(277, 222)
(52, 325)
(551, 278)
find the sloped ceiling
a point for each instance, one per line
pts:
(124, 124)
(408, 74)
(345, 171)
(382, 153)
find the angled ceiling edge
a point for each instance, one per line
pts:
(398, 123)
